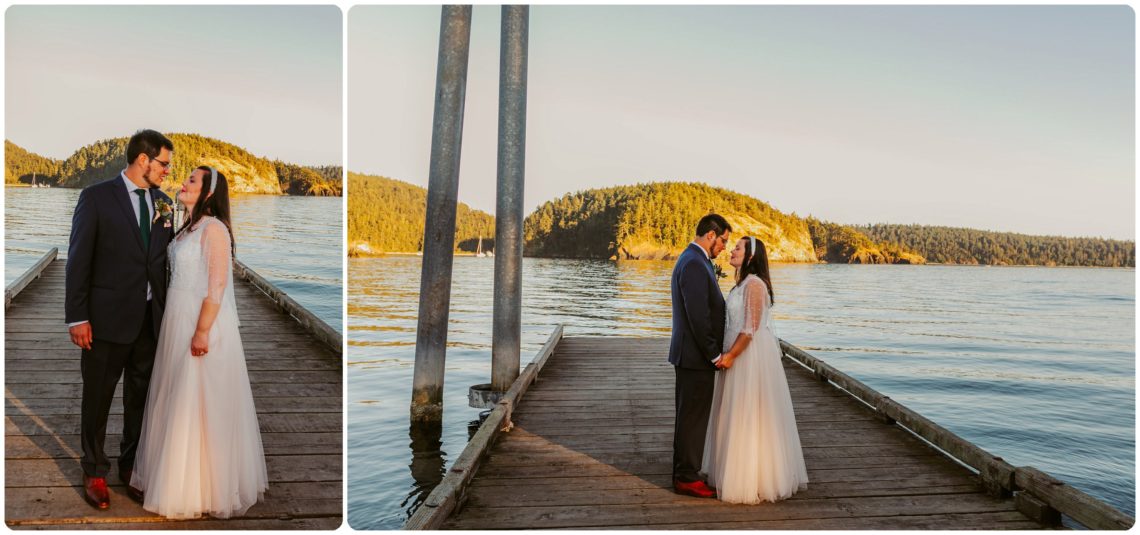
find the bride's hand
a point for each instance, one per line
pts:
(199, 345)
(726, 362)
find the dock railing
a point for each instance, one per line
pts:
(33, 273)
(1038, 495)
(449, 493)
(314, 325)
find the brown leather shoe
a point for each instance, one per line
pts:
(132, 492)
(95, 492)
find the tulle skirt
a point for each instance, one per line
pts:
(200, 451)
(752, 447)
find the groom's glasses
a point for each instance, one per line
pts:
(165, 165)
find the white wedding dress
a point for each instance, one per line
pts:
(200, 451)
(752, 447)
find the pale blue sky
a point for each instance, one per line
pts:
(266, 78)
(1005, 118)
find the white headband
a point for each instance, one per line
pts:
(213, 181)
(752, 241)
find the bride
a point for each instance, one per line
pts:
(200, 450)
(752, 448)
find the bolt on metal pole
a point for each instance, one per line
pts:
(439, 224)
(507, 331)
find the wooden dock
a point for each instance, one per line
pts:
(591, 448)
(296, 381)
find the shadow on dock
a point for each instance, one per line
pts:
(296, 382)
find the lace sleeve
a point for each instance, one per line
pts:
(755, 303)
(216, 252)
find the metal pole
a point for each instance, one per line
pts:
(507, 332)
(439, 224)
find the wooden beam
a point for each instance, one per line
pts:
(447, 495)
(33, 273)
(314, 325)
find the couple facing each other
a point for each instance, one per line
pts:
(191, 443)
(735, 423)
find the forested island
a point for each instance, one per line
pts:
(949, 245)
(655, 221)
(387, 216)
(104, 159)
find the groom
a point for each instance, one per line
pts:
(698, 334)
(115, 294)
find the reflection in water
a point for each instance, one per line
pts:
(429, 462)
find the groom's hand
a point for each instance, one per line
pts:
(81, 335)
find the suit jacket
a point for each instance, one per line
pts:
(108, 268)
(698, 312)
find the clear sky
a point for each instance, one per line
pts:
(1005, 118)
(266, 78)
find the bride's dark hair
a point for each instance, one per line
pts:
(216, 205)
(755, 263)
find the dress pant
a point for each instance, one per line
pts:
(101, 368)
(694, 393)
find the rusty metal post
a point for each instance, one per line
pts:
(439, 227)
(507, 332)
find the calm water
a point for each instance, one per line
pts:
(1034, 364)
(295, 242)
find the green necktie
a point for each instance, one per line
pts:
(144, 219)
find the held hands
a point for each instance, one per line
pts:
(725, 361)
(199, 345)
(81, 335)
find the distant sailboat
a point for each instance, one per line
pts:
(479, 249)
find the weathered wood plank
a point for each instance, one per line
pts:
(296, 383)
(445, 497)
(265, 404)
(839, 509)
(36, 505)
(20, 473)
(291, 422)
(60, 391)
(592, 448)
(968, 521)
(15, 287)
(68, 446)
(251, 525)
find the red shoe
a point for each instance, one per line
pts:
(95, 492)
(696, 488)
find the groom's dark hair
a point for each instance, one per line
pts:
(713, 222)
(148, 142)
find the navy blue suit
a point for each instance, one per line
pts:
(108, 269)
(697, 337)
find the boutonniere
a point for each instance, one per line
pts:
(720, 274)
(163, 211)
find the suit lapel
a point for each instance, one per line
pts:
(156, 225)
(121, 197)
(696, 249)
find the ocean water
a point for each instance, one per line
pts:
(294, 242)
(1036, 365)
